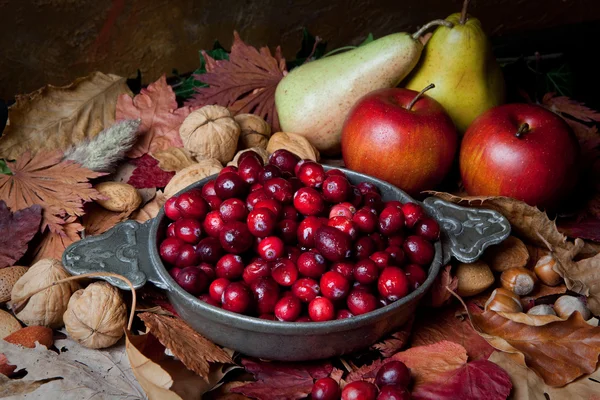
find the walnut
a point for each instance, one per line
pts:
(295, 143)
(96, 316)
(255, 131)
(191, 174)
(47, 307)
(258, 150)
(210, 132)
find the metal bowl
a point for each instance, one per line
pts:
(131, 249)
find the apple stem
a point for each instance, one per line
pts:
(418, 96)
(428, 25)
(463, 13)
(523, 129)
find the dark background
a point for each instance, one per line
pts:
(55, 41)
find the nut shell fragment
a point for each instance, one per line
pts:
(294, 143)
(258, 150)
(192, 174)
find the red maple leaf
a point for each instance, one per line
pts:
(565, 105)
(245, 83)
(147, 174)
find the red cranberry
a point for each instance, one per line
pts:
(307, 230)
(229, 168)
(235, 237)
(171, 229)
(412, 214)
(393, 203)
(255, 197)
(334, 286)
(393, 283)
(209, 300)
(365, 220)
(230, 266)
(321, 309)
(393, 373)
(192, 280)
(272, 205)
(418, 250)
(296, 183)
(230, 185)
(378, 240)
(396, 255)
(261, 222)
(308, 201)
(266, 294)
(311, 264)
(359, 390)
(169, 249)
(311, 174)
(187, 256)
(233, 210)
(300, 164)
(214, 202)
(269, 172)
(381, 259)
(428, 228)
(290, 212)
(335, 171)
(366, 271)
(209, 250)
(256, 269)
(269, 317)
(344, 268)
(237, 298)
(188, 230)
(355, 197)
(292, 253)
(416, 275)
(209, 189)
(361, 302)
(333, 244)
(256, 186)
(171, 211)
(217, 287)
(249, 154)
(341, 210)
(174, 272)
(288, 309)
(208, 270)
(305, 289)
(364, 247)
(396, 241)
(366, 187)
(394, 392)
(287, 230)
(284, 272)
(250, 168)
(279, 189)
(271, 248)
(213, 224)
(391, 220)
(191, 204)
(345, 225)
(343, 314)
(284, 159)
(325, 389)
(336, 189)
(373, 200)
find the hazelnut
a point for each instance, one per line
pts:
(567, 305)
(473, 278)
(519, 280)
(502, 300)
(545, 272)
(541, 309)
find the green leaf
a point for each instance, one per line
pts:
(306, 48)
(368, 40)
(4, 168)
(185, 88)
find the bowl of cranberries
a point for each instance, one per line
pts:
(291, 260)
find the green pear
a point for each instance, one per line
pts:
(313, 99)
(467, 77)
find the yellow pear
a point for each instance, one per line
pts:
(459, 60)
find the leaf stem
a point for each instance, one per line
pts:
(463, 13)
(334, 51)
(428, 25)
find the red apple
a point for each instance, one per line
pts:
(522, 151)
(411, 146)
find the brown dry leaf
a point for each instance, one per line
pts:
(397, 340)
(438, 294)
(564, 105)
(527, 385)
(98, 219)
(53, 244)
(173, 159)
(528, 319)
(151, 209)
(194, 350)
(543, 291)
(245, 83)
(582, 276)
(54, 118)
(13, 387)
(60, 188)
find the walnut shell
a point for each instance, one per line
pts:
(191, 174)
(295, 143)
(255, 131)
(210, 132)
(45, 308)
(258, 150)
(96, 316)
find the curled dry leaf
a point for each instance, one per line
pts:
(98, 220)
(151, 209)
(396, 341)
(14, 387)
(439, 294)
(54, 244)
(295, 143)
(16, 230)
(54, 118)
(8, 277)
(174, 159)
(192, 174)
(258, 150)
(194, 350)
(510, 253)
(255, 131)
(528, 319)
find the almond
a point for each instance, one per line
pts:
(121, 196)
(27, 336)
(8, 324)
(511, 253)
(473, 278)
(8, 277)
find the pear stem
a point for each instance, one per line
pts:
(418, 96)
(463, 13)
(428, 25)
(523, 129)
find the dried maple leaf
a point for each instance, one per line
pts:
(174, 159)
(396, 341)
(194, 350)
(246, 82)
(54, 244)
(16, 230)
(98, 219)
(60, 188)
(156, 106)
(564, 105)
(438, 294)
(147, 174)
(282, 381)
